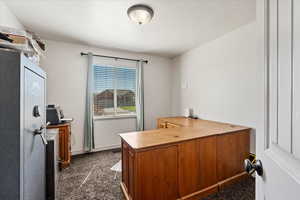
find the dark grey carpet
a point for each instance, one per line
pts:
(89, 178)
(243, 190)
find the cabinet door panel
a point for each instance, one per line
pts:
(189, 167)
(208, 161)
(232, 150)
(157, 174)
(197, 165)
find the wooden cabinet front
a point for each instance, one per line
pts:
(197, 165)
(128, 170)
(64, 143)
(152, 174)
(157, 174)
(131, 174)
(232, 150)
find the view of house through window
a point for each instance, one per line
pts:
(115, 90)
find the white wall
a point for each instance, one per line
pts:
(7, 18)
(106, 132)
(222, 80)
(66, 85)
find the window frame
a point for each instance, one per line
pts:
(115, 115)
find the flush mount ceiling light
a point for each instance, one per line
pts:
(141, 14)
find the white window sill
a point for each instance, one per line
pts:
(114, 117)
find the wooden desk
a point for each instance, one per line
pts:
(64, 143)
(188, 160)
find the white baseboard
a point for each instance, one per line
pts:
(78, 152)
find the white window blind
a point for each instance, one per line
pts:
(115, 91)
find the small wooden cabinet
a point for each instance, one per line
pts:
(149, 175)
(64, 143)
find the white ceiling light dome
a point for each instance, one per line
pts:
(141, 14)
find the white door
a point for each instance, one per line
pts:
(279, 147)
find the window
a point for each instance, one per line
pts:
(115, 91)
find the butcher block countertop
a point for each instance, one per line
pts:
(187, 129)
